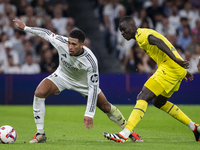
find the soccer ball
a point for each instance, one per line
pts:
(8, 134)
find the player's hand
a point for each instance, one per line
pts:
(88, 122)
(20, 24)
(189, 75)
(198, 66)
(183, 63)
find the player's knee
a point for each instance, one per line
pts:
(142, 96)
(40, 93)
(158, 104)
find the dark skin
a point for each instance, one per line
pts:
(128, 30)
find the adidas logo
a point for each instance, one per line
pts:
(64, 55)
(37, 117)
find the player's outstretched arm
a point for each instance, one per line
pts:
(20, 24)
(41, 32)
(162, 46)
(198, 66)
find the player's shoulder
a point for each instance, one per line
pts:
(89, 52)
(143, 33)
(62, 39)
(89, 56)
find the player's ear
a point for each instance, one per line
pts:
(82, 44)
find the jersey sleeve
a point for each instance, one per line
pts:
(93, 83)
(55, 40)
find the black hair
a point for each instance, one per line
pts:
(126, 19)
(78, 34)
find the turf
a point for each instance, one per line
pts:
(64, 129)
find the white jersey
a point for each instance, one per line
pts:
(81, 71)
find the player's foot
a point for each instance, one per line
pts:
(117, 137)
(135, 137)
(38, 138)
(197, 132)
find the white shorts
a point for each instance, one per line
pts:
(62, 83)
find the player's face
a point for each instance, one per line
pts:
(126, 30)
(75, 47)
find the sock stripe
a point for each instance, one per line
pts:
(140, 109)
(170, 108)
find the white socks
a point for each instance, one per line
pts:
(191, 125)
(116, 116)
(39, 113)
(125, 132)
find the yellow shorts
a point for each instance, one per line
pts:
(157, 89)
(165, 81)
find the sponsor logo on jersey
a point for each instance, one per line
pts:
(68, 65)
(94, 78)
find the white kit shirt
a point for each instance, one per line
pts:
(81, 71)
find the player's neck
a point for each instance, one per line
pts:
(80, 52)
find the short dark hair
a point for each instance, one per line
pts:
(78, 34)
(127, 19)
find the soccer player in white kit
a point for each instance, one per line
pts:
(78, 71)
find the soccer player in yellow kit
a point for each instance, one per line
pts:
(162, 84)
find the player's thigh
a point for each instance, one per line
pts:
(154, 86)
(46, 88)
(150, 90)
(102, 103)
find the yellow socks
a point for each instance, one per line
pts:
(175, 112)
(137, 114)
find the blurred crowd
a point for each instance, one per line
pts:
(24, 53)
(177, 20)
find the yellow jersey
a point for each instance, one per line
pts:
(153, 51)
(169, 73)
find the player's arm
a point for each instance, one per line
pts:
(188, 76)
(162, 46)
(93, 83)
(43, 33)
(198, 66)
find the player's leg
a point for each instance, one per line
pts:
(44, 89)
(150, 90)
(162, 103)
(145, 96)
(115, 115)
(110, 110)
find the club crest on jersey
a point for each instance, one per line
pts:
(80, 65)
(94, 78)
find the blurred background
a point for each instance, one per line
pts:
(26, 59)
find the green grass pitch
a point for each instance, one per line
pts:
(64, 129)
